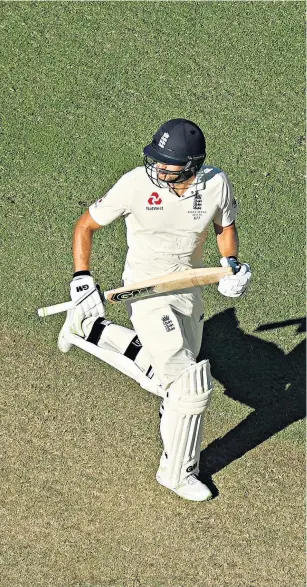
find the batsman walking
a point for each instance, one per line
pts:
(168, 205)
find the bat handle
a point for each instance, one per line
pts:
(56, 309)
(64, 307)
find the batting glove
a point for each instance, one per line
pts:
(86, 297)
(234, 286)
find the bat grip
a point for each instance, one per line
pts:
(56, 309)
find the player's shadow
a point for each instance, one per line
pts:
(258, 374)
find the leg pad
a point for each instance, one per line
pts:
(182, 422)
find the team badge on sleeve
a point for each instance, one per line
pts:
(99, 201)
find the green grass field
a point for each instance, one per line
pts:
(84, 86)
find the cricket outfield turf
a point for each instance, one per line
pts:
(84, 86)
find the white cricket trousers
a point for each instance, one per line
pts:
(169, 327)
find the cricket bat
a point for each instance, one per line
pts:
(156, 285)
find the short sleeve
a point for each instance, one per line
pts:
(227, 211)
(115, 203)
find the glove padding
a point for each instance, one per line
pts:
(86, 297)
(234, 286)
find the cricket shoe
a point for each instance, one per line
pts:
(190, 488)
(63, 345)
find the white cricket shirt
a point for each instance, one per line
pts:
(166, 232)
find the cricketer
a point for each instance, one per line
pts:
(168, 204)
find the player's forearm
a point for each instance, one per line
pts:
(228, 241)
(82, 247)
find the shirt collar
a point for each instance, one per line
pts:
(198, 184)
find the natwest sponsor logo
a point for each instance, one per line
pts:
(155, 200)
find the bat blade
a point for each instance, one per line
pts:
(173, 281)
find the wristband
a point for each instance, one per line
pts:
(78, 273)
(234, 263)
